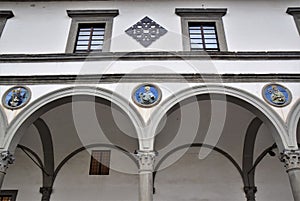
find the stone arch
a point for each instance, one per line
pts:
(240, 97)
(61, 96)
(293, 122)
(3, 123)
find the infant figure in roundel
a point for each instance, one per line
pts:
(147, 97)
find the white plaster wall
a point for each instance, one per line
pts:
(25, 177)
(215, 179)
(152, 66)
(74, 183)
(42, 27)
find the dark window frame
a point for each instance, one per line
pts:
(202, 15)
(295, 12)
(202, 36)
(100, 165)
(90, 29)
(12, 193)
(81, 17)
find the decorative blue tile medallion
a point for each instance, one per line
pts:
(277, 95)
(16, 97)
(146, 95)
(146, 31)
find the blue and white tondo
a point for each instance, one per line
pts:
(277, 95)
(146, 95)
(16, 97)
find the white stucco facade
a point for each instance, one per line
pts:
(212, 136)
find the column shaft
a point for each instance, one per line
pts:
(146, 186)
(294, 177)
(146, 167)
(291, 159)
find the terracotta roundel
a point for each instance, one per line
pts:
(16, 97)
(146, 95)
(276, 95)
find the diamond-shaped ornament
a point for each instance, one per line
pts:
(146, 31)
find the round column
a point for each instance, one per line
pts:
(291, 159)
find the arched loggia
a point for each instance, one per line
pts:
(51, 176)
(236, 96)
(45, 103)
(241, 170)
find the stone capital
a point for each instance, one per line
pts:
(146, 160)
(46, 193)
(250, 192)
(6, 158)
(291, 159)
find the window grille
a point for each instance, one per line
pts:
(100, 162)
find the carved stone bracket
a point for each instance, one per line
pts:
(291, 159)
(6, 158)
(250, 192)
(146, 160)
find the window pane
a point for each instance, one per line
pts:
(83, 37)
(212, 46)
(211, 36)
(97, 37)
(98, 33)
(196, 40)
(97, 42)
(209, 31)
(98, 47)
(81, 33)
(210, 41)
(83, 42)
(196, 46)
(81, 47)
(208, 27)
(192, 31)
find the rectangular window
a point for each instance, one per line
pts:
(100, 162)
(90, 30)
(90, 37)
(202, 29)
(203, 36)
(8, 195)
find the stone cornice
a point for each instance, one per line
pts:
(293, 11)
(183, 12)
(6, 14)
(93, 13)
(157, 78)
(132, 56)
